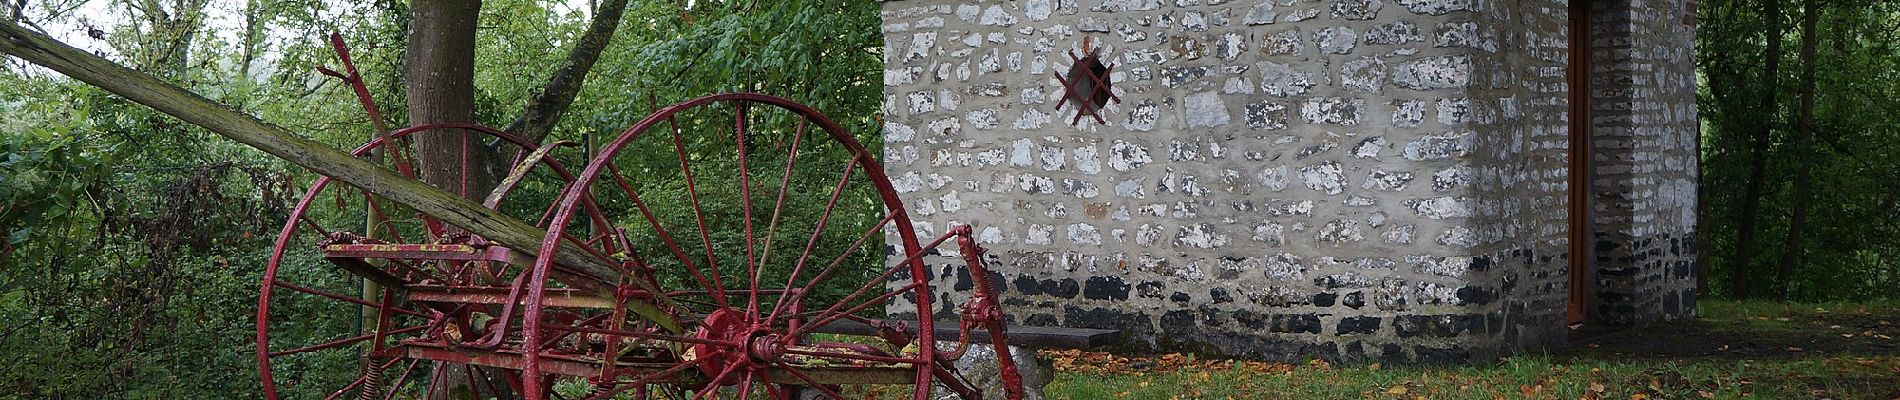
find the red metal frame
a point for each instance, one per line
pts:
(456, 299)
(1084, 102)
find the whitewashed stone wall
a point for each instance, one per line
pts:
(1281, 179)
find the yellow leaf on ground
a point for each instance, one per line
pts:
(1400, 389)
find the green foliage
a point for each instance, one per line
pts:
(124, 260)
(1851, 245)
(134, 242)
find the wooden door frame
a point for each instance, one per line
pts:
(1581, 259)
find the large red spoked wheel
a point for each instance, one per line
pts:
(317, 335)
(774, 219)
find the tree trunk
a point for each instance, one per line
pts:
(1758, 163)
(439, 75)
(1804, 133)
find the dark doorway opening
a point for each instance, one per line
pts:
(1578, 74)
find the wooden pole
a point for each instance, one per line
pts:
(197, 110)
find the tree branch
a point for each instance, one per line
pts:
(539, 118)
(164, 97)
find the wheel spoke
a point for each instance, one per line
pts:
(699, 215)
(745, 387)
(778, 203)
(774, 391)
(713, 385)
(745, 207)
(397, 388)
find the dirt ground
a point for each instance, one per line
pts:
(1818, 332)
(1850, 335)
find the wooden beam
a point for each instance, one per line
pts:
(197, 110)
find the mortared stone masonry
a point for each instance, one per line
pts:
(1351, 180)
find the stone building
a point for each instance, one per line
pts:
(1357, 180)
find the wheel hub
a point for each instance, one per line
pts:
(756, 346)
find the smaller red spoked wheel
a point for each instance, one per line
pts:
(755, 222)
(322, 332)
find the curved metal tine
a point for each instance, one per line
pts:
(667, 238)
(520, 171)
(320, 293)
(833, 394)
(778, 204)
(829, 268)
(833, 314)
(955, 381)
(620, 239)
(888, 272)
(643, 381)
(343, 342)
(799, 295)
(745, 206)
(856, 357)
(376, 208)
(643, 335)
(359, 381)
(397, 388)
(435, 227)
(435, 380)
(699, 215)
(818, 231)
(312, 225)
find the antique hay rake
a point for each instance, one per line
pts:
(689, 313)
(605, 288)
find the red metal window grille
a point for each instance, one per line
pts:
(1087, 84)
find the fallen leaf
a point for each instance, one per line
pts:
(1596, 387)
(1400, 389)
(1530, 390)
(1639, 396)
(1705, 394)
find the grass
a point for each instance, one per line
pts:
(1848, 354)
